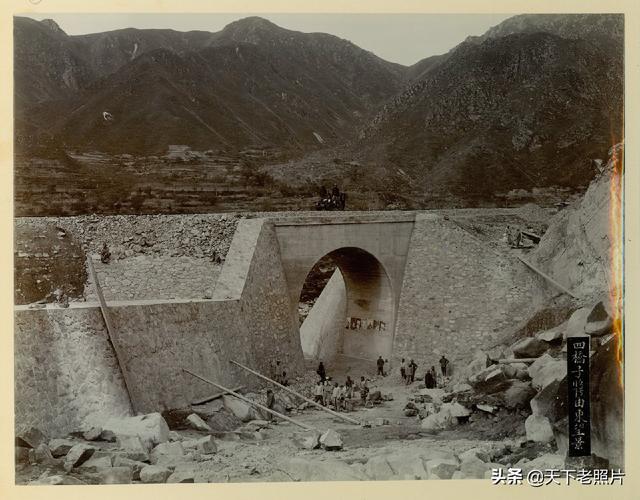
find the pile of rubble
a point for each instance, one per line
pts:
(201, 235)
(527, 380)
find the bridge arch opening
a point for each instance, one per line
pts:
(347, 307)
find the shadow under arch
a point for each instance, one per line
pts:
(355, 313)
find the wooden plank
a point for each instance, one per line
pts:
(248, 401)
(215, 396)
(107, 321)
(291, 391)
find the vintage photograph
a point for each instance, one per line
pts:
(318, 247)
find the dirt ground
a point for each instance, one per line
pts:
(273, 455)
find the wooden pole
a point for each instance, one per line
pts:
(517, 360)
(248, 401)
(547, 277)
(310, 401)
(214, 396)
(107, 323)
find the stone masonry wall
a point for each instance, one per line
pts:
(154, 277)
(265, 303)
(158, 340)
(458, 294)
(66, 374)
(322, 332)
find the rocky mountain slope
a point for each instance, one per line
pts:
(527, 105)
(251, 84)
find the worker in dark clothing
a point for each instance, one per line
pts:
(105, 254)
(444, 362)
(284, 380)
(412, 372)
(348, 387)
(322, 373)
(380, 365)
(335, 191)
(429, 380)
(271, 401)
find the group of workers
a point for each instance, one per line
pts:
(327, 392)
(334, 200)
(408, 372)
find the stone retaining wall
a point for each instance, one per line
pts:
(458, 294)
(66, 373)
(154, 277)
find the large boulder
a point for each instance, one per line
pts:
(518, 395)
(331, 440)
(78, 455)
(574, 327)
(30, 438)
(546, 369)
(457, 410)
(538, 429)
(554, 335)
(239, 408)
(182, 476)
(599, 322)
(197, 423)
(440, 420)
(154, 474)
(60, 447)
(529, 347)
(307, 440)
(439, 468)
(152, 429)
(206, 445)
(166, 454)
(546, 401)
(133, 447)
(133, 465)
(43, 456)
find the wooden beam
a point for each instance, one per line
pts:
(291, 391)
(547, 277)
(532, 236)
(248, 401)
(517, 360)
(107, 321)
(214, 396)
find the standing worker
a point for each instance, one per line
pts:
(412, 371)
(318, 393)
(443, 365)
(403, 370)
(271, 401)
(380, 364)
(321, 372)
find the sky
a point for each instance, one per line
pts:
(400, 38)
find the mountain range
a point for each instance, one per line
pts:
(528, 104)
